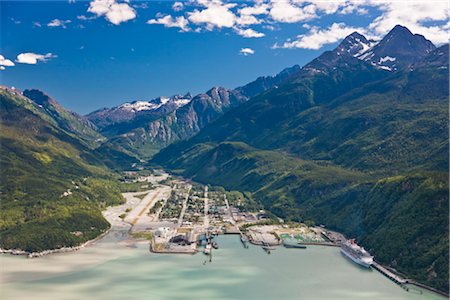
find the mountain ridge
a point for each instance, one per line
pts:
(379, 136)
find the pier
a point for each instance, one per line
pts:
(405, 282)
(395, 278)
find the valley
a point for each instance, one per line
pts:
(352, 144)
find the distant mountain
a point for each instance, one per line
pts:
(264, 83)
(147, 133)
(73, 123)
(347, 143)
(53, 184)
(128, 111)
(144, 127)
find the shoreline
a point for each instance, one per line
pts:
(54, 251)
(112, 213)
(18, 252)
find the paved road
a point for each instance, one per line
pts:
(183, 209)
(206, 219)
(233, 221)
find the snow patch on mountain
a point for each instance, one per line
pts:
(385, 59)
(139, 106)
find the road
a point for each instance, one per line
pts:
(206, 218)
(183, 209)
(233, 221)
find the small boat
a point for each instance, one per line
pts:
(215, 245)
(207, 249)
(293, 245)
(266, 247)
(244, 241)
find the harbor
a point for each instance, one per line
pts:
(231, 243)
(182, 217)
(116, 270)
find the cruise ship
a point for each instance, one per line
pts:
(356, 253)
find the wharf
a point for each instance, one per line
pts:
(404, 282)
(191, 249)
(395, 278)
(329, 244)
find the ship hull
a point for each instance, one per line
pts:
(294, 246)
(355, 260)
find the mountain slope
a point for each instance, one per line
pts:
(37, 153)
(73, 123)
(398, 49)
(143, 128)
(347, 144)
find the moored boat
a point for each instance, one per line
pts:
(287, 244)
(207, 249)
(244, 241)
(356, 253)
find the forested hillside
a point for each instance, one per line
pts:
(348, 144)
(53, 187)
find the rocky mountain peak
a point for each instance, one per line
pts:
(399, 48)
(39, 97)
(353, 45)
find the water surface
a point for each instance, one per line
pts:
(109, 270)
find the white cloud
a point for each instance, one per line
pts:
(316, 38)
(86, 18)
(4, 62)
(327, 7)
(257, 9)
(169, 21)
(247, 20)
(286, 12)
(246, 51)
(353, 9)
(33, 58)
(249, 33)
(58, 23)
(215, 14)
(113, 11)
(415, 16)
(143, 5)
(424, 17)
(178, 6)
(15, 21)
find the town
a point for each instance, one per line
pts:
(182, 217)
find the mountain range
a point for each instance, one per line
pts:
(347, 142)
(356, 139)
(142, 128)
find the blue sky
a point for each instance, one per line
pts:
(89, 55)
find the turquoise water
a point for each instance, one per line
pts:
(112, 271)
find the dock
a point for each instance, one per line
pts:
(329, 244)
(394, 277)
(405, 282)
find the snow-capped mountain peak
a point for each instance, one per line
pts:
(354, 45)
(137, 106)
(397, 49)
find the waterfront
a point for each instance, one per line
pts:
(117, 268)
